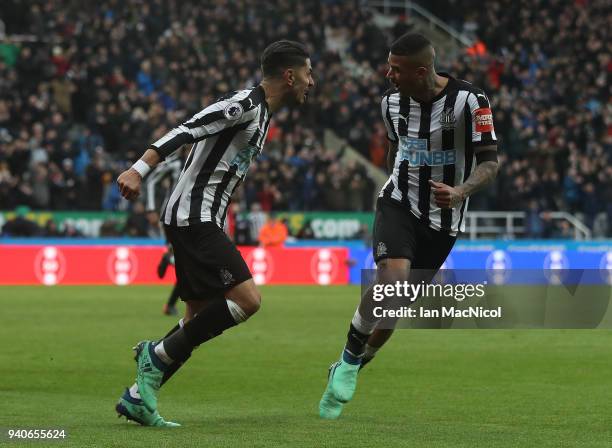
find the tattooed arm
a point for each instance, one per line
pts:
(484, 173)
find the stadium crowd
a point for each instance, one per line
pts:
(546, 67)
(81, 101)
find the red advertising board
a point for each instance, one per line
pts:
(123, 265)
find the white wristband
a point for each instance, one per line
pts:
(141, 167)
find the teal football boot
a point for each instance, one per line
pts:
(149, 373)
(134, 409)
(329, 407)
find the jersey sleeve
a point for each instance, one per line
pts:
(210, 121)
(386, 116)
(150, 184)
(172, 167)
(483, 131)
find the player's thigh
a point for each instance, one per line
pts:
(208, 263)
(393, 236)
(434, 248)
(182, 263)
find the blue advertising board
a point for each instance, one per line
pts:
(510, 255)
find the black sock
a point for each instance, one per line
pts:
(355, 346)
(174, 296)
(172, 368)
(177, 346)
(364, 361)
(175, 328)
(203, 327)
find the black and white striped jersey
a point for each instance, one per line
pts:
(436, 141)
(156, 193)
(226, 137)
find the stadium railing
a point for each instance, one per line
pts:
(512, 224)
(412, 9)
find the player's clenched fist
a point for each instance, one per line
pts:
(445, 195)
(129, 184)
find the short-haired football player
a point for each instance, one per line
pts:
(213, 279)
(442, 149)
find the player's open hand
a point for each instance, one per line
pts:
(129, 184)
(445, 195)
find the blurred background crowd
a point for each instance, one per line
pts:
(81, 99)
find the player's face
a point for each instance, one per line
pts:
(406, 75)
(302, 82)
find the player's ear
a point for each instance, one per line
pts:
(422, 72)
(289, 76)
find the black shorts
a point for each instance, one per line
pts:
(400, 234)
(207, 262)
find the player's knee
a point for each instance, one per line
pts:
(252, 303)
(247, 297)
(391, 274)
(249, 302)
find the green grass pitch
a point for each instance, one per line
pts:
(66, 356)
